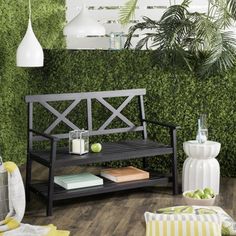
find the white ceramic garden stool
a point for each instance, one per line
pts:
(201, 169)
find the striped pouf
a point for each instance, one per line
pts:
(182, 224)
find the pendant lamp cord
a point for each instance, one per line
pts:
(29, 9)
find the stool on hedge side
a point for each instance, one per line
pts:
(112, 151)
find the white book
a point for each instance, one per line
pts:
(81, 180)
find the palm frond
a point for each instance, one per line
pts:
(221, 13)
(203, 31)
(127, 11)
(143, 42)
(222, 57)
(186, 3)
(191, 41)
(174, 12)
(231, 4)
(174, 25)
(146, 24)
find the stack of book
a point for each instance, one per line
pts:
(86, 179)
(81, 180)
(124, 174)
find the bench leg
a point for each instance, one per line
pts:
(51, 179)
(145, 163)
(28, 178)
(50, 191)
(49, 207)
(174, 163)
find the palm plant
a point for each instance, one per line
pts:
(195, 41)
(127, 11)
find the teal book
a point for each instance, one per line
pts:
(82, 180)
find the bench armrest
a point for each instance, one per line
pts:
(47, 136)
(168, 125)
(53, 140)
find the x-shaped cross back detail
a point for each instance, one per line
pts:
(60, 116)
(116, 112)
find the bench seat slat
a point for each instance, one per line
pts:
(112, 151)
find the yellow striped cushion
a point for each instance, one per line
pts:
(182, 225)
(228, 224)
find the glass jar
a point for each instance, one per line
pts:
(116, 40)
(79, 142)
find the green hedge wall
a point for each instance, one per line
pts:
(48, 17)
(174, 100)
(178, 100)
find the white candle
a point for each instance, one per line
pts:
(78, 146)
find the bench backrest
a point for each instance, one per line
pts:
(76, 98)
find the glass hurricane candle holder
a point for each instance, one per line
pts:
(79, 142)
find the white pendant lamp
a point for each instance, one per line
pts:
(29, 52)
(83, 25)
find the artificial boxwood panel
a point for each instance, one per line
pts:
(178, 100)
(48, 18)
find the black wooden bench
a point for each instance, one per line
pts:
(122, 150)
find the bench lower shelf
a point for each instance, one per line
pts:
(108, 186)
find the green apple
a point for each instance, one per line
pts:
(196, 196)
(197, 190)
(206, 196)
(96, 147)
(209, 191)
(189, 194)
(200, 192)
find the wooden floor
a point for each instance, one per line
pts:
(116, 214)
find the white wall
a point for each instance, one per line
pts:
(107, 13)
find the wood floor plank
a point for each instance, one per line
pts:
(115, 214)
